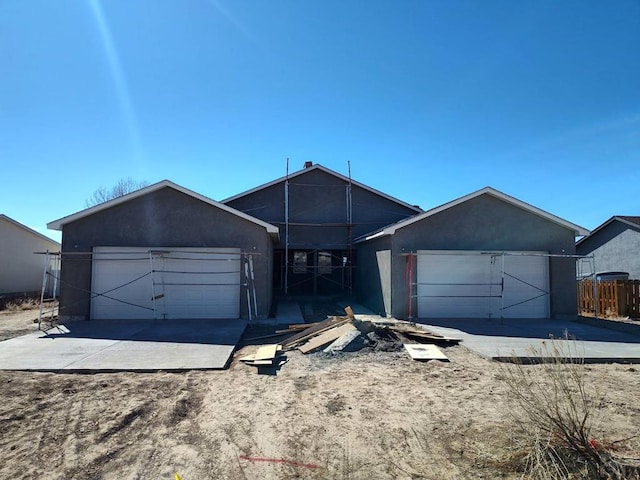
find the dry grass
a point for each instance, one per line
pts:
(556, 413)
(17, 304)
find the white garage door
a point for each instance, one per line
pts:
(139, 282)
(469, 284)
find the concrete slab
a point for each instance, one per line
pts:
(125, 345)
(288, 313)
(504, 339)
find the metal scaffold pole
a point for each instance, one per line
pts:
(44, 286)
(349, 230)
(286, 231)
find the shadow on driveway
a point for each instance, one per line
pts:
(196, 331)
(506, 339)
(535, 328)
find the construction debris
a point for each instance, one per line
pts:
(347, 333)
(343, 342)
(354, 334)
(419, 351)
(265, 356)
(326, 337)
(314, 330)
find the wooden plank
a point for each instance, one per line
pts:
(420, 351)
(305, 338)
(418, 332)
(261, 363)
(288, 330)
(414, 330)
(314, 329)
(349, 311)
(263, 337)
(326, 337)
(302, 326)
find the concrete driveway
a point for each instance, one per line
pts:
(129, 345)
(503, 339)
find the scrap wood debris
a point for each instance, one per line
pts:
(267, 355)
(341, 334)
(348, 334)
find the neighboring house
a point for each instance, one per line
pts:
(164, 252)
(615, 246)
(484, 255)
(21, 269)
(167, 252)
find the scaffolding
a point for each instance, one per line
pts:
(345, 263)
(50, 286)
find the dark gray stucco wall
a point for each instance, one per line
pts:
(616, 248)
(165, 218)
(373, 274)
(317, 197)
(488, 223)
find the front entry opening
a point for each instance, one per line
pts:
(314, 272)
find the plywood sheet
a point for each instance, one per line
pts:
(266, 352)
(421, 351)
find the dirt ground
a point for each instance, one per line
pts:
(14, 323)
(360, 415)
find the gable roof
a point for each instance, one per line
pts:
(317, 166)
(628, 220)
(391, 229)
(29, 230)
(58, 224)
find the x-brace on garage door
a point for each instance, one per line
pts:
(153, 282)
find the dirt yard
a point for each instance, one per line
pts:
(18, 322)
(360, 415)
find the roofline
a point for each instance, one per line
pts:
(30, 230)
(58, 224)
(600, 227)
(391, 229)
(317, 166)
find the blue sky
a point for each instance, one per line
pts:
(429, 100)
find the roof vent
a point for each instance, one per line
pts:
(308, 164)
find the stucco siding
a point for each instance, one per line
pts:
(315, 198)
(487, 223)
(166, 218)
(615, 248)
(20, 269)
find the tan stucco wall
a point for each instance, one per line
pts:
(21, 270)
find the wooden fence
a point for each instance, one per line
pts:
(616, 298)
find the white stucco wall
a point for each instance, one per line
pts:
(21, 270)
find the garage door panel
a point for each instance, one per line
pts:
(469, 284)
(186, 282)
(526, 286)
(119, 311)
(461, 308)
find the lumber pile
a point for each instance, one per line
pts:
(339, 332)
(343, 333)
